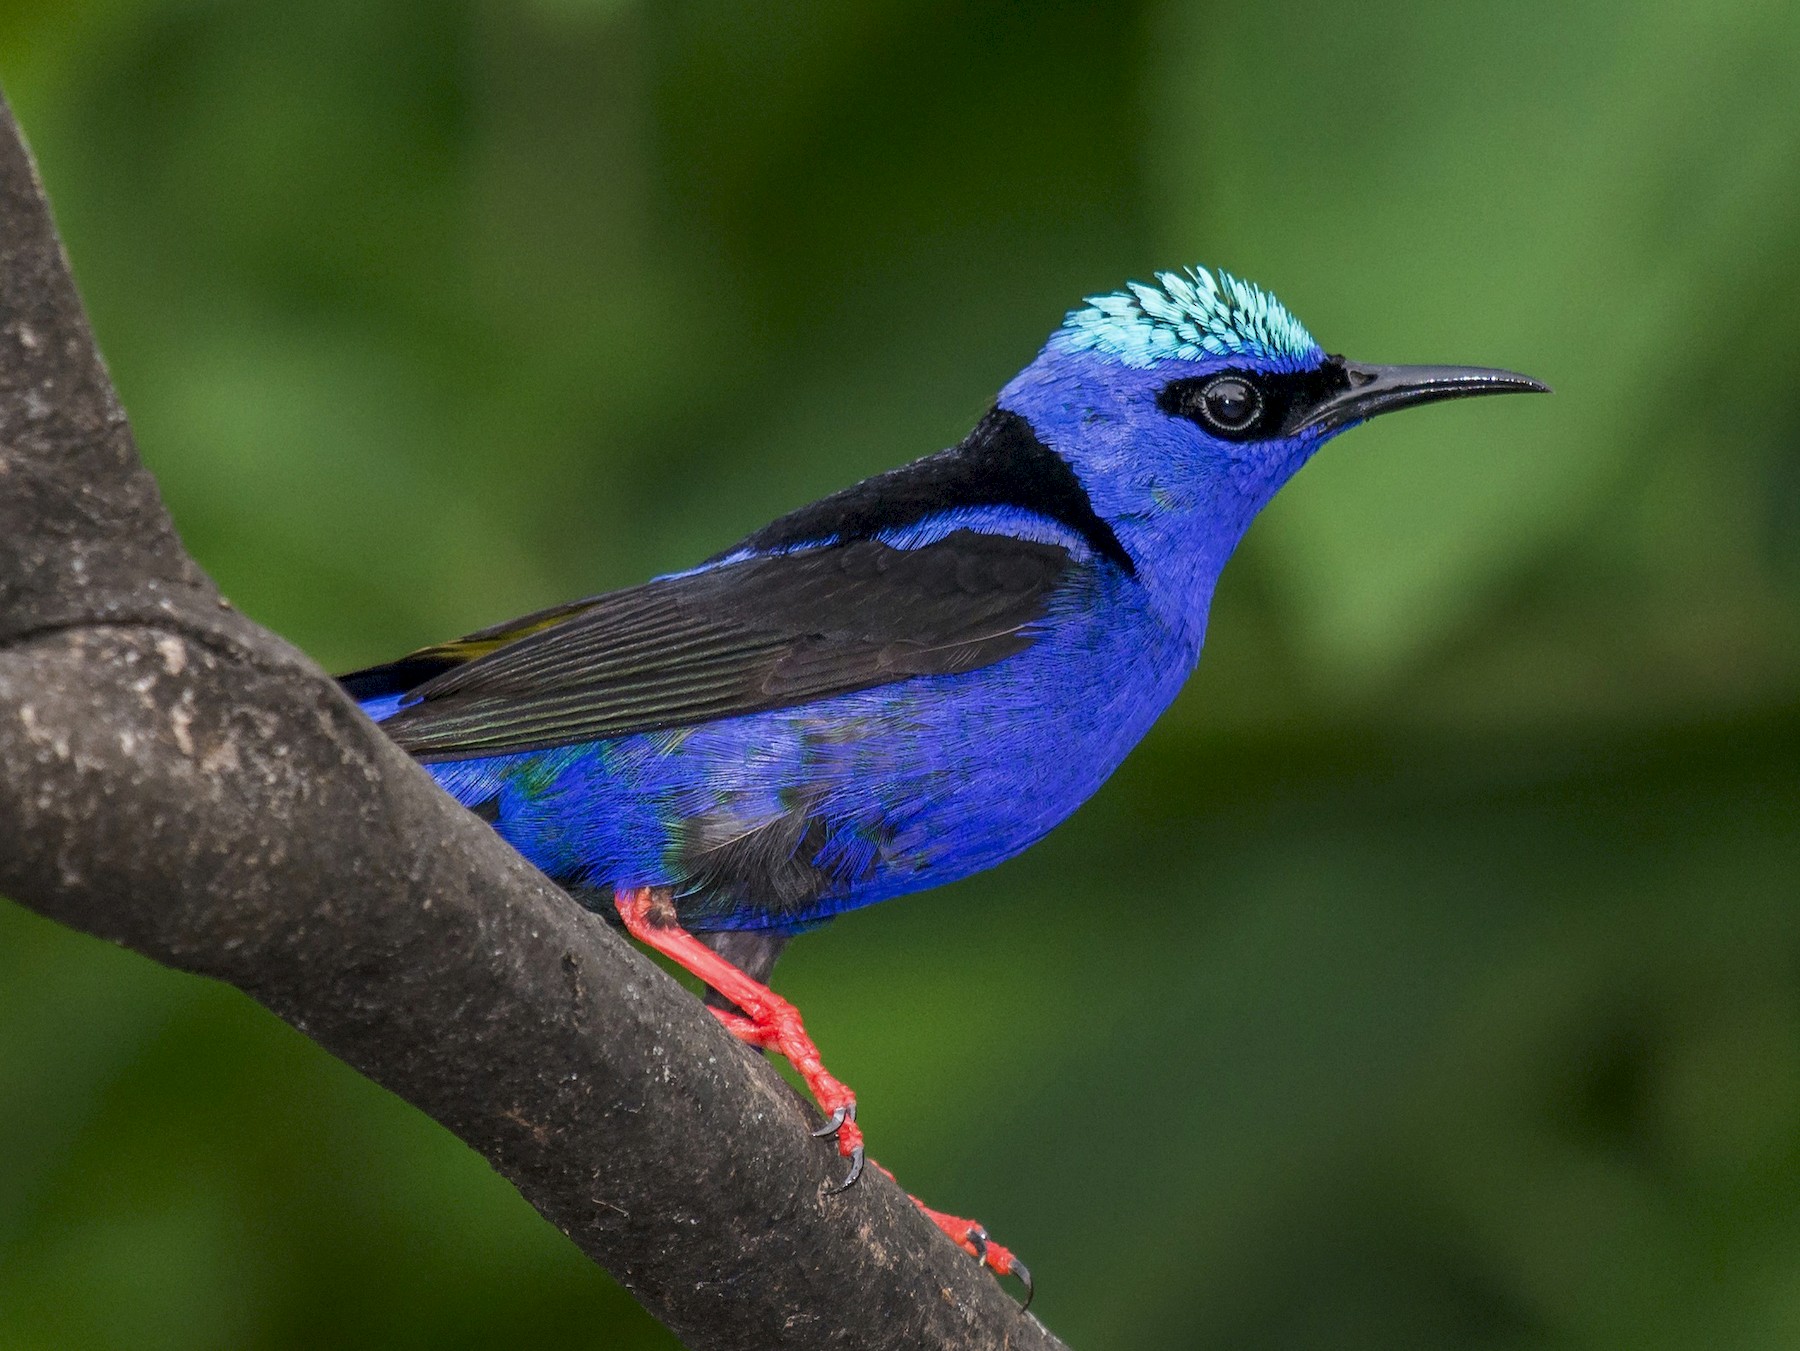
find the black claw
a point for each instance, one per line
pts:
(856, 1167)
(845, 1113)
(977, 1237)
(1023, 1272)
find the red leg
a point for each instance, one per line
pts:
(741, 1027)
(767, 1019)
(770, 1021)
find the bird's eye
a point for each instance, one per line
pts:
(1230, 404)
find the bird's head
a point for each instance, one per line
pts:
(1184, 405)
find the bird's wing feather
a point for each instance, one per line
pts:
(766, 632)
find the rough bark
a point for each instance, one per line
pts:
(183, 782)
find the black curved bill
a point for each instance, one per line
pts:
(1356, 392)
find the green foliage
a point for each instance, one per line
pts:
(1428, 979)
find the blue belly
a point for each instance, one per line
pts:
(782, 819)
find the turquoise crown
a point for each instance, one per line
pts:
(1189, 316)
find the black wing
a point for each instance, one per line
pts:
(768, 632)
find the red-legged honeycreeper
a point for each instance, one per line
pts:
(907, 681)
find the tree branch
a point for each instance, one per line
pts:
(185, 783)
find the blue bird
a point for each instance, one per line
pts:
(907, 681)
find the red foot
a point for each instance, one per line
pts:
(770, 1021)
(767, 1019)
(974, 1240)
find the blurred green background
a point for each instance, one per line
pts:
(1431, 976)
